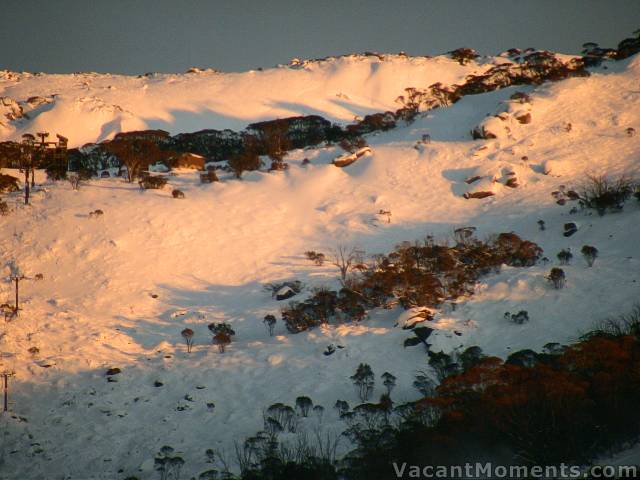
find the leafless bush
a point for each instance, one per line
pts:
(626, 324)
(603, 193)
(346, 258)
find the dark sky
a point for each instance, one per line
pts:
(136, 36)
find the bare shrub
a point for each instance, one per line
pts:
(603, 193)
(346, 258)
(626, 324)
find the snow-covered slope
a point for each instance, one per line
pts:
(118, 289)
(88, 107)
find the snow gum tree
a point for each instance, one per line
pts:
(364, 381)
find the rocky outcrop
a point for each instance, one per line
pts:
(524, 118)
(478, 195)
(10, 109)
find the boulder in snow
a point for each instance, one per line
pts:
(10, 108)
(346, 160)
(469, 195)
(570, 229)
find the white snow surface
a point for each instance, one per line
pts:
(118, 289)
(91, 107)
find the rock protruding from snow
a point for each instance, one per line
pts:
(10, 109)
(346, 160)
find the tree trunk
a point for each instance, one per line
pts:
(26, 186)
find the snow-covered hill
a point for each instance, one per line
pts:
(118, 289)
(88, 107)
